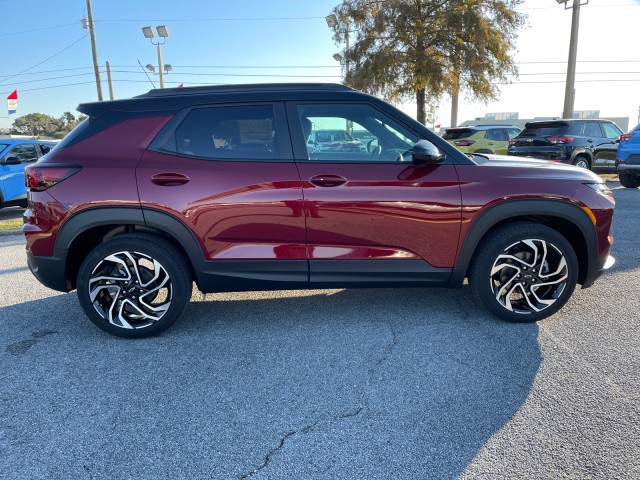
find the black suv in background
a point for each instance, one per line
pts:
(590, 144)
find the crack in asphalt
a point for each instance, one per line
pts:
(388, 350)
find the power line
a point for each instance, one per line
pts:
(590, 7)
(241, 74)
(579, 61)
(46, 59)
(47, 79)
(233, 74)
(37, 29)
(237, 19)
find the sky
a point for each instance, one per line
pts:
(46, 54)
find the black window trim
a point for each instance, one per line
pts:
(164, 142)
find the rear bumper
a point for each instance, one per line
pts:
(50, 271)
(557, 154)
(626, 168)
(597, 270)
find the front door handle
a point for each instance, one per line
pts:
(328, 180)
(169, 179)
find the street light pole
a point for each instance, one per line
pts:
(160, 66)
(569, 92)
(163, 32)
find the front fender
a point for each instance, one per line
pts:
(517, 210)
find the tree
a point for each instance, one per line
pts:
(421, 49)
(42, 125)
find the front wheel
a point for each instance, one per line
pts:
(134, 286)
(524, 272)
(629, 181)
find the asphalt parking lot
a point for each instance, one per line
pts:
(330, 384)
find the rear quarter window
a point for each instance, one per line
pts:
(72, 135)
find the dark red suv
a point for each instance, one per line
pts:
(218, 185)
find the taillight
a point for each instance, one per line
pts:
(512, 141)
(40, 177)
(625, 136)
(464, 143)
(560, 139)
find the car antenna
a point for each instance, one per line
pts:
(145, 72)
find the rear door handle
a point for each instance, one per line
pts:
(328, 180)
(169, 179)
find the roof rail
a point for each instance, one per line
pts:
(255, 87)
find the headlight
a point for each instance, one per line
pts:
(602, 189)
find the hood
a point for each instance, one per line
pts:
(510, 166)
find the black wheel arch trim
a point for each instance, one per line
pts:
(137, 216)
(581, 152)
(95, 217)
(520, 210)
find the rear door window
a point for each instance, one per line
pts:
(246, 132)
(496, 134)
(592, 129)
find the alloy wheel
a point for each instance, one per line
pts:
(130, 290)
(529, 276)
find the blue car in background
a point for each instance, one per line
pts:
(15, 154)
(628, 158)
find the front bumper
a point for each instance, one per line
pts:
(598, 269)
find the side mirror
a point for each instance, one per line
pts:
(426, 153)
(11, 160)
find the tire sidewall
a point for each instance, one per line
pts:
(170, 259)
(584, 159)
(629, 181)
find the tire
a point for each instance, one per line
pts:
(134, 285)
(582, 162)
(629, 181)
(506, 272)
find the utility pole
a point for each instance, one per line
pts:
(109, 81)
(93, 49)
(569, 92)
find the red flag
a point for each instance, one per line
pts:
(12, 102)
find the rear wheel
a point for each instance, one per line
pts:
(629, 181)
(134, 286)
(582, 162)
(524, 272)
